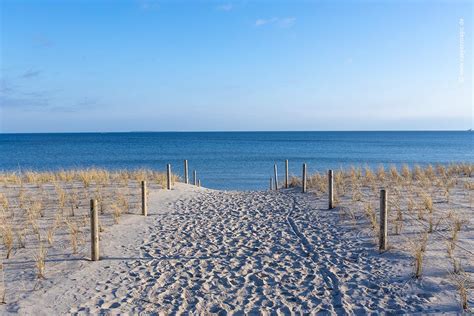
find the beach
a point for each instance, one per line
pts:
(253, 252)
(236, 158)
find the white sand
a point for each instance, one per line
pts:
(207, 251)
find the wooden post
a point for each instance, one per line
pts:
(331, 189)
(383, 221)
(199, 183)
(168, 176)
(186, 178)
(94, 231)
(303, 180)
(286, 174)
(144, 206)
(276, 176)
(271, 183)
(195, 177)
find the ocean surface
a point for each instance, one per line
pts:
(232, 160)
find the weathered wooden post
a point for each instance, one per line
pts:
(271, 183)
(186, 178)
(168, 176)
(383, 221)
(331, 189)
(199, 183)
(276, 176)
(303, 180)
(144, 206)
(94, 231)
(286, 174)
(195, 177)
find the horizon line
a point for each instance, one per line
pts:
(239, 131)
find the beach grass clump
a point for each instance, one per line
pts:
(61, 196)
(65, 175)
(294, 182)
(430, 172)
(340, 183)
(406, 173)
(381, 173)
(98, 196)
(418, 174)
(370, 178)
(53, 228)
(73, 235)
(467, 170)
(399, 216)
(40, 260)
(469, 186)
(33, 211)
(86, 178)
(428, 203)
(318, 182)
(116, 212)
(7, 236)
(357, 194)
(20, 233)
(455, 228)
(457, 268)
(3, 288)
(123, 201)
(371, 215)
(418, 250)
(73, 199)
(461, 281)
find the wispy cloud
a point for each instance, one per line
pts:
(260, 22)
(280, 22)
(287, 22)
(225, 7)
(14, 96)
(86, 103)
(25, 103)
(31, 74)
(148, 4)
(17, 97)
(6, 86)
(42, 41)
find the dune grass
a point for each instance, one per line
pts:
(49, 211)
(425, 203)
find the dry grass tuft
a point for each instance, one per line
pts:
(40, 258)
(7, 235)
(461, 280)
(418, 250)
(372, 216)
(73, 235)
(406, 174)
(116, 212)
(381, 173)
(428, 203)
(21, 235)
(294, 182)
(3, 288)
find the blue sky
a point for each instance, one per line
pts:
(235, 65)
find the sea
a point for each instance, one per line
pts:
(233, 160)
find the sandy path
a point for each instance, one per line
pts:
(234, 252)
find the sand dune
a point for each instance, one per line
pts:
(207, 251)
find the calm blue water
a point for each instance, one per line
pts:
(232, 160)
